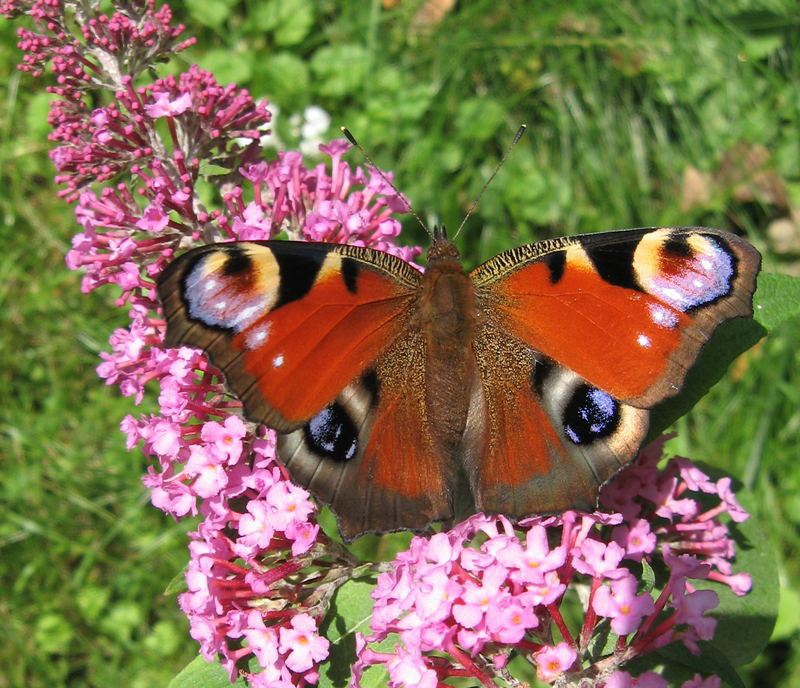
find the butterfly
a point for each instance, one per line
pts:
(402, 398)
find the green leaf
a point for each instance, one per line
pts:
(374, 677)
(351, 611)
(122, 619)
(603, 640)
(36, 119)
(202, 674)
(209, 169)
(211, 13)
(164, 638)
(380, 547)
(759, 47)
(52, 633)
(788, 623)
(92, 600)
(177, 583)
(284, 77)
(648, 576)
(776, 300)
(758, 610)
(289, 20)
(681, 662)
(731, 339)
(341, 69)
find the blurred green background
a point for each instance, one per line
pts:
(639, 114)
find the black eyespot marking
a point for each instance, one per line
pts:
(350, 270)
(542, 367)
(373, 386)
(298, 273)
(677, 245)
(555, 263)
(237, 262)
(332, 434)
(590, 415)
(614, 261)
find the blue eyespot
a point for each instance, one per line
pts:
(332, 434)
(590, 415)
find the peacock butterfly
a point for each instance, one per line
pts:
(401, 398)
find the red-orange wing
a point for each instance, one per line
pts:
(579, 337)
(318, 342)
(289, 323)
(370, 454)
(626, 310)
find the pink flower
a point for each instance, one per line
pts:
(164, 107)
(262, 639)
(164, 438)
(288, 503)
(255, 527)
(536, 557)
(478, 596)
(153, 219)
(552, 662)
(210, 475)
(409, 671)
(225, 438)
(599, 559)
(622, 679)
(303, 536)
(637, 539)
(622, 605)
(510, 619)
(302, 643)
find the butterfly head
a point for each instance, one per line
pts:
(442, 249)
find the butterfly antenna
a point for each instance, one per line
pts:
(474, 205)
(352, 139)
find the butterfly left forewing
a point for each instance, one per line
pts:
(289, 323)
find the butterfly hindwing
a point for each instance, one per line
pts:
(566, 437)
(370, 455)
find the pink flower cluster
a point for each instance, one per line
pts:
(203, 119)
(257, 541)
(208, 461)
(136, 34)
(461, 600)
(251, 575)
(261, 575)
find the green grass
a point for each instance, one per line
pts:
(620, 102)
